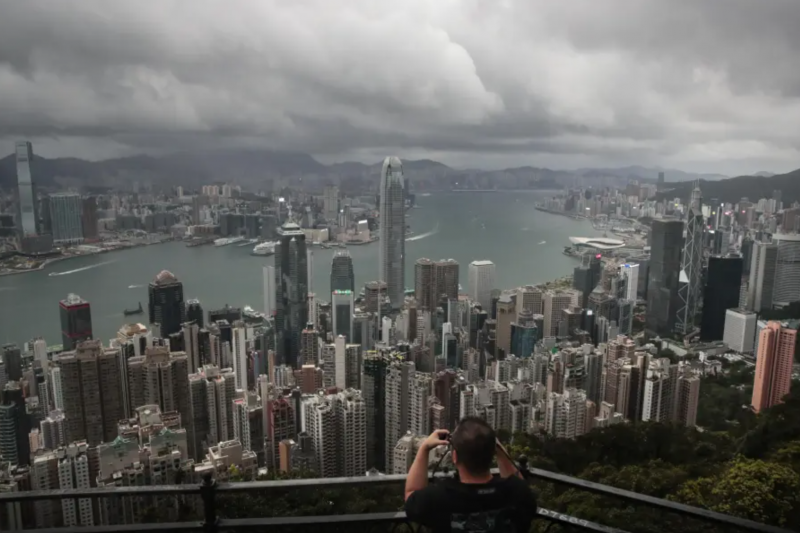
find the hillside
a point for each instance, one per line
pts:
(734, 189)
(254, 167)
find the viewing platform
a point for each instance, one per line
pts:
(211, 506)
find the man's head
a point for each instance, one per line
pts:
(473, 444)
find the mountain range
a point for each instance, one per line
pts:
(255, 167)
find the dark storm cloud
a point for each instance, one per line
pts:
(682, 82)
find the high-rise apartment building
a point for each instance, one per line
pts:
(565, 414)
(291, 285)
(91, 392)
(211, 393)
(688, 392)
(76, 321)
(761, 285)
(74, 473)
(160, 377)
(166, 304)
(279, 424)
(309, 346)
(27, 206)
(337, 425)
(342, 275)
(740, 330)
(66, 218)
(392, 245)
(664, 278)
(721, 293)
(657, 397)
(407, 393)
(787, 269)
(776, 347)
(481, 275)
(347, 364)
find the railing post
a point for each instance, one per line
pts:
(523, 467)
(208, 492)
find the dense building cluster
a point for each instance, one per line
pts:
(331, 382)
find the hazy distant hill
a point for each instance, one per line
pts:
(751, 187)
(254, 167)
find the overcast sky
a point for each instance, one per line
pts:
(703, 85)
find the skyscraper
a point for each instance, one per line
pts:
(373, 389)
(14, 426)
(166, 304)
(343, 307)
(481, 283)
(27, 207)
(721, 293)
(291, 298)
(91, 392)
(776, 346)
(391, 260)
(76, 321)
(690, 291)
(762, 276)
(342, 276)
(194, 312)
(89, 218)
(424, 284)
(65, 217)
(740, 330)
(665, 268)
(787, 270)
(269, 290)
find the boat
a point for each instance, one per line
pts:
(264, 248)
(137, 311)
(225, 241)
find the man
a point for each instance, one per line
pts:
(476, 501)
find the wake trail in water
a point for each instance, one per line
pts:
(434, 231)
(135, 286)
(81, 269)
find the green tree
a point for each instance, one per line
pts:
(754, 489)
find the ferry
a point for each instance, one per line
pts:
(264, 248)
(225, 241)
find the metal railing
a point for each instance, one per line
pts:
(209, 491)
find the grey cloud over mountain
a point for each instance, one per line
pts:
(710, 86)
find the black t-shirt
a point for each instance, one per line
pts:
(500, 506)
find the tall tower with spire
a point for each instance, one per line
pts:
(690, 287)
(392, 244)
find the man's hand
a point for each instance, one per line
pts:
(437, 438)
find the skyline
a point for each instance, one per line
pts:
(604, 85)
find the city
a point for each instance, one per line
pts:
(346, 381)
(452, 266)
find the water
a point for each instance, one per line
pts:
(525, 244)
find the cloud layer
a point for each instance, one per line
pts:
(708, 86)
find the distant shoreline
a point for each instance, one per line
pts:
(54, 260)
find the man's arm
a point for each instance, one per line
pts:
(418, 475)
(504, 463)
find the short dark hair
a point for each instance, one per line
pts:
(474, 442)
